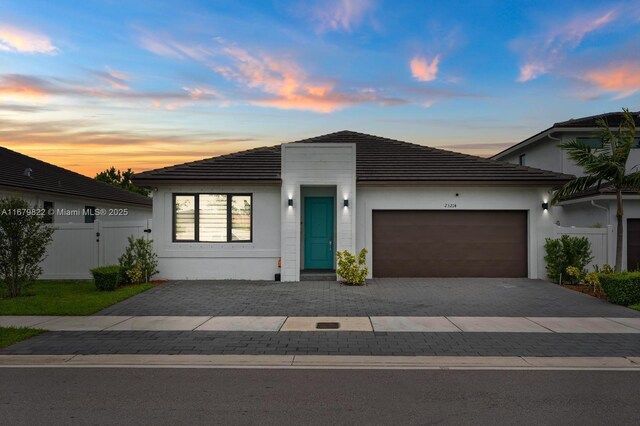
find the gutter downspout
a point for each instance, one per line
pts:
(550, 136)
(606, 209)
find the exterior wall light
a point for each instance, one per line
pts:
(545, 206)
(346, 203)
(290, 202)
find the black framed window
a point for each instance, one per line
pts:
(522, 159)
(595, 143)
(89, 214)
(49, 211)
(212, 218)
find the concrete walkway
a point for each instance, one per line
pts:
(324, 362)
(392, 324)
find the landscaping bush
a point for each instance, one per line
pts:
(24, 238)
(107, 278)
(139, 262)
(351, 269)
(564, 252)
(592, 280)
(621, 288)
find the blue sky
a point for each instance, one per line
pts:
(86, 85)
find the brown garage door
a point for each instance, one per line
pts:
(633, 244)
(443, 243)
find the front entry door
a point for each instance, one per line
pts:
(318, 233)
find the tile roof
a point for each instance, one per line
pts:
(46, 177)
(378, 160)
(604, 189)
(613, 119)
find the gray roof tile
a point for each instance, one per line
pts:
(378, 160)
(46, 177)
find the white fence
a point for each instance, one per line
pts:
(78, 247)
(602, 242)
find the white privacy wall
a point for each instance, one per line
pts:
(79, 247)
(582, 213)
(469, 198)
(322, 164)
(257, 260)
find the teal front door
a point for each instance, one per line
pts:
(318, 233)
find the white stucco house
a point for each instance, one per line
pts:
(594, 208)
(286, 209)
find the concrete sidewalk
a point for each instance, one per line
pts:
(324, 362)
(391, 324)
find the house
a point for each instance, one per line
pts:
(419, 211)
(66, 196)
(92, 219)
(592, 208)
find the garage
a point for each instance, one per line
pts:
(449, 243)
(633, 244)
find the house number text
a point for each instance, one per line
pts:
(449, 206)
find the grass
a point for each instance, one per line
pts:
(11, 335)
(67, 297)
(636, 307)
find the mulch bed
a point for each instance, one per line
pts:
(586, 290)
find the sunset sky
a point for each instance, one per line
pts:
(143, 84)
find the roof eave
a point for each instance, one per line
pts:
(452, 183)
(67, 194)
(535, 138)
(153, 181)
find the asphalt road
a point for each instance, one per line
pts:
(129, 396)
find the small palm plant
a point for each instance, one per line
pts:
(606, 164)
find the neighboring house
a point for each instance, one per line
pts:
(69, 196)
(419, 211)
(593, 208)
(92, 219)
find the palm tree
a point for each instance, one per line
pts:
(606, 164)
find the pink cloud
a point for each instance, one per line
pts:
(341, 15)
(116, 79)
(19, 87)
(269, 81)
(531, 71)
(623, 78)
(548, 49)
(286, 84)
(26, 88)
(163, 45)
(14, 39)
(423, 70)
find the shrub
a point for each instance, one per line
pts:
(607, 269)
(564, 252)
(24, 238)
(592, 279)
(138, 261)
(573, 274)
(106, 278)
(621, 288)
(353, 271)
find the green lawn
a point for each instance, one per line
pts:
(11, 335)
(67, 297)
(636, 307)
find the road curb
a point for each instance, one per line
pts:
(322, 362)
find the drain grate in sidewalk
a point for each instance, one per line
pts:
(327, 325)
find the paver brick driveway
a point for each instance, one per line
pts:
(383, 297)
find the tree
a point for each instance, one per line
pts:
(24, 238)
(121, 180)
(606, 164)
